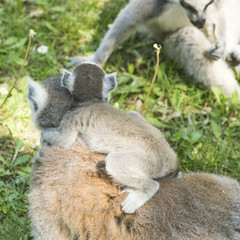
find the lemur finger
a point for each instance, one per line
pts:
(214, 53)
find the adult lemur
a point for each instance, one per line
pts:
(137, 152)
(202, 35)
(71, 197)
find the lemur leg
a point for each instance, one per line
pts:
(135, 13)
(127, 168)
(187, 46)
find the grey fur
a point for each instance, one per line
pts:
(136, 151)
(166, 20)
(59, 100)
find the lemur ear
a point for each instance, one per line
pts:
(109, 84)
(37, 95)
(67, 80)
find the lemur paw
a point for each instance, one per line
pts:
(49, 136)
(134, 200)
(233, 58)
(79, 60)
(53, 138)
(215, 52)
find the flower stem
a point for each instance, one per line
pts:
(20, 72)
(157, 49)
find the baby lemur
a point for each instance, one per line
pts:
(201, 35)
(137, 152)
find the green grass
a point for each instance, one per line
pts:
(201, 126)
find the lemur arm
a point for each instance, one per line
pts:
(219, 36)
(67, 132)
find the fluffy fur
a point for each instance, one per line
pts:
(137, 151)
(71, 197)
(202, 36)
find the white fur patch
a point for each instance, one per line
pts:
(37, 97)
(135, 199)
(109, 84)
(67, 79)
(168, 23)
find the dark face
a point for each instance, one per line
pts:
(196, 11)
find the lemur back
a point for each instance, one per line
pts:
(213, 22)
(72, 198)
(136, 151)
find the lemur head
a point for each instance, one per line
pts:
(52, 99)
(196, 10)
(88, 81)
(49, 101)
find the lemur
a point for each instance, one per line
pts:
(201, 35)
(137, 152)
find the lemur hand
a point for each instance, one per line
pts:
(233, 58)
(215, 52)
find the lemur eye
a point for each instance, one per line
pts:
(188, 6)
(208, 4)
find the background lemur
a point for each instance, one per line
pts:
(137, 151)
(70, 199)
(202, 35)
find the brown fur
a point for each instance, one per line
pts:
(72, 198)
